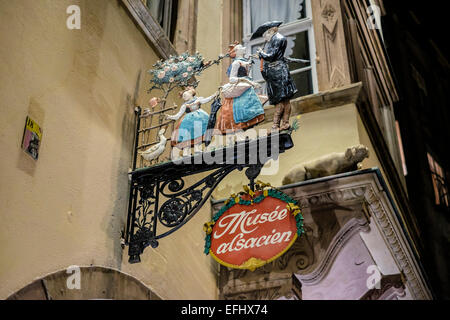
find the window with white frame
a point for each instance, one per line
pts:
(297, 27)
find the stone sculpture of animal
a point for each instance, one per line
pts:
(328, 165)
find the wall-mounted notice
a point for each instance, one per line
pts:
(32, 136)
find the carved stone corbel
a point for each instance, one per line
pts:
(391, 288)
(285, 288)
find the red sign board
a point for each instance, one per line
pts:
(254, 230)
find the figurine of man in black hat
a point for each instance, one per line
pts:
(274, 69)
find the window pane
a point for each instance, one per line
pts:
(303, 81)
(256, 69)
(156, 8)
(298, 48)
(280, 10)
(165, 13)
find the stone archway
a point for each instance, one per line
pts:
(95, 283)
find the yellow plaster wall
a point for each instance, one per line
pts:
(69, 206)
(209, 44)
(178, 266)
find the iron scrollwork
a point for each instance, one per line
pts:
(173, 212)
(143, 221)
(181, 205)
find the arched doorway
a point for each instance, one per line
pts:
(94, 283)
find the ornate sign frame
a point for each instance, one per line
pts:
(254, 198)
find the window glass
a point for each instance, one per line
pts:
(296, 27)
(303, 81)
(156, 8)
(298, 48)
(256, 66)
(165, 13)
(280, 10)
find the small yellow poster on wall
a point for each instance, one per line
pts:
(32, 137)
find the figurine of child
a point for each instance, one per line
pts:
(192, 122)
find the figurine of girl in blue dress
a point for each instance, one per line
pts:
(192, 122)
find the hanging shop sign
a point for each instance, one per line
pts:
(253, 228)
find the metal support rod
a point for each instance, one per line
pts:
(137, 110)
(154, 244)
(157, 112)
(157, 126)
(130, 206)
(252, 173)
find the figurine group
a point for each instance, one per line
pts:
(241, 107)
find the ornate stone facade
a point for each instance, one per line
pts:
(331, 260)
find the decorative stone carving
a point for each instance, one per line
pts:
(285, 288)
(351, 228)
(391, 288)
(345, 276)
(396, 245)
(328, 165)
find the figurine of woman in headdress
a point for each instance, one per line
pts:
(242, 108)
(192, 121)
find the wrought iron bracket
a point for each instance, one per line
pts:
(160, 202)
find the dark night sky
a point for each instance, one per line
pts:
(427, 19)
